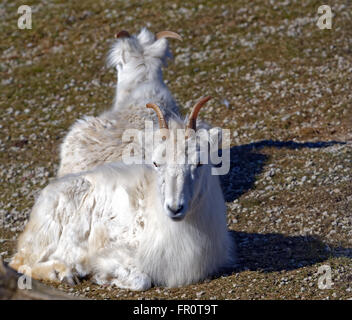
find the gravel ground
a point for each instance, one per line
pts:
(282, 86)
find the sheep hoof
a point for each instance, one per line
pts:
(141, 282)
(69, 278)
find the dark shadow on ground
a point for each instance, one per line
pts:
(270, 252)
(247, 163)
(275, 252)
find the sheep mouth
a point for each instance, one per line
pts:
(180, 218)
(177, 217)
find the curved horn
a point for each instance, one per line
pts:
(122, 34)
(168, 34)
(162, 122)
(194, 113)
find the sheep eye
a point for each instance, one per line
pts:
(155, 165)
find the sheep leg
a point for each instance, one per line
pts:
(53, 270)
(112, 272)
(137, 281)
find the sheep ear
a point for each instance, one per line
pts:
(145, 37)
(156, 46)
(114, 56)
(120, 52)
(158, 49)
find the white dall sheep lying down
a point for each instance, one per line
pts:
(138, 60)
(132, 226)
(110, 224)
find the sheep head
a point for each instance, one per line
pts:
(181, 161)
(131, 53)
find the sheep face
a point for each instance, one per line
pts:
(181, 165)
(179, 157)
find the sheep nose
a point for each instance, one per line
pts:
(175, 211)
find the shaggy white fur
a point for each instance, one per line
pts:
(112, 224)
(92, 141)
(138, 60)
